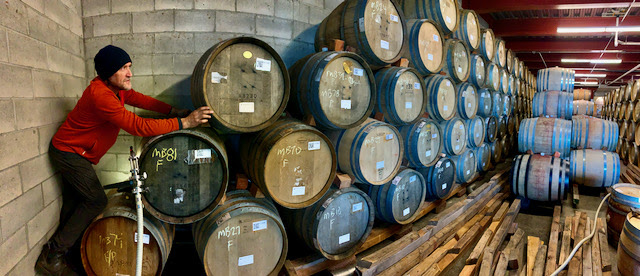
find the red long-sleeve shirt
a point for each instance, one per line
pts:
(92, 127)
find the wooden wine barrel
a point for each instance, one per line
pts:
(439, 178)
(477, 73)
(465, 164)
(467, 106)
(635, 115)
(516, 86)
(553, 104)
(487, 44)
(483, 155)
(627, 92)
(509, 65)
(511, 124)
(400, 95)
(455, 136)
(187, 172)
(629, 246)
(545, 135)
(512, 83)
(619, 146)
(475, 131)
(109, 243)
(358, 23)
(468, 29)
(502, 125)
(507, 105)
(456, 63)
(635, 87)
(496, 151)
(425, 49)
(623, 110)
(581, 94)
(491, 125)
(628, 114)
(620, 94)
(399, 200)
(484, 102)
(516, 67)
(504, 81)
(335, 226)
(242, 236)
(618, 113)
(500, 58)
(634, 150)
(293, 163)
(371, 152)
(244, 81)
(636, 136)
(594, 133)
(493, 77)
(624, 197)
(441, 97)
(422, 142)
(581, 107)
(623, 128)
(624, 149)
(555, 79)
(443, 12)
(595, 168)
(498, 106)
(541, 178)
(337, 89)
(631, 130)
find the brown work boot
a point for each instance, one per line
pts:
(52, 261)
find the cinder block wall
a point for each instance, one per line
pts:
(167, 37)
(42, 75)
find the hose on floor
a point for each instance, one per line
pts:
(575, 249)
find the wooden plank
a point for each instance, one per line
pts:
(489, 209)
(538, 268)
(423, 265)
(551, 263)
(576, 195)
(379, 234)
(595, 254)
(520, 259)
(575, 265)
(501, 267)
(312, 264)
(512, 230)
(466, 239)
(604, 252)
(476, 254)
(510, 250)
(463, 245)
(566, 240)
(487, 267)
(533, 245)
(430, 237)
(587, 262)
(501, 212)
(574, 227)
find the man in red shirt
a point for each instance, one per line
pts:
(90, 129)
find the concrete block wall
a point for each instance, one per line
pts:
(42, 64)
(165, 39)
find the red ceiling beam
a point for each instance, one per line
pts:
(562, 45)
(556, 57)
(522, 5)
(549, 26)
(623, 67)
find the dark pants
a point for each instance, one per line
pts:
(83, 197)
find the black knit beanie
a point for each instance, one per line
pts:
(109, 60)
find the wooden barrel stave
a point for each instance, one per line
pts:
(244, 81)
(423, 143)
(187, 174)
(108, 244)
(541, 178)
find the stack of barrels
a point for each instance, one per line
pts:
(405, 134)
(621, 107)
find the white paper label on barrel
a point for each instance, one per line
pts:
(263, 65)
(298, 191)
(435, 135)
(396, 180)
(393, 18)
(457, 147)
(469, 105)
(384, 44)
(436, 37)
(245, 260)
(412, 179)
(459, 69)
(246, 107)
(428, 153)
(406, 211)
(416, 85)
(421, 125)
(314, 145)
(356, 207)
(447, 165)
(217, 78)
(345, 104)
(389, 136)
(448, 83)
(444, 186)
(479, 76)
(468, 171)
(461, 127)
(445, 108)
(202, 153)
(448, 19)
(429, 56)
(379, 165)
(145, 238)
(361, 24)
(477, 135)
(358, 72)
(259, 225)
(344, 238)
(408, 105)
(470, 37)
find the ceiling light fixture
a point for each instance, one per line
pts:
(612, 29)
(578, 75)
(606, 51)
(587, 83)
(588, 69)
(595, 61)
